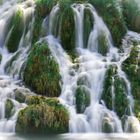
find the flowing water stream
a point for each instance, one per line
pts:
(90, 63)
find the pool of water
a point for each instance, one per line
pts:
(72, 137)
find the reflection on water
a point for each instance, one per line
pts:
(73, 137)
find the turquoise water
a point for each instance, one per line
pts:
(73, 137)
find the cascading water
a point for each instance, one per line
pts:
(94, 65)
(10, 84)
(91, 63)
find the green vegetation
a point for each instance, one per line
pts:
(9, 108)
(42, 71)
(43, 116)
(16, 31)
(82, 98)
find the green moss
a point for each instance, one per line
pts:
(103, 43)
(82, 98)
(88, 25)
(42, 71)
(16, 31)
(68, 30)
(111, 15)
(131, 12)
(9, 108)
(132, 68)
(108, 82)
(120, 102)
(44, 117)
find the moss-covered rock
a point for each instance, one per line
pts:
(83, 79)
(43, 118)
(107, 125)
(132, 68)
(9, 108)
(21, 94)
(112, 16)
(68, 29)
(108, 83)
(88, 25)
(131, 12)
(82, 98)
(103, 43)
(42, 71)
(119, 102)
(16, 31)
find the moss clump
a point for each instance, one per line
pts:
(42, 10)
(119, 102)
(112, 16)
(132, 68)
(82, 98)
(103, 43)
(42, 71)
(108, 82)
(83, 79)
(88, 25)
(9, 108)
(46, 117)
(68, 29)
(16, 31)
(131, 12)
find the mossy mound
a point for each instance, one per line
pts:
(120, 101)
(108, 82)
(42, 71)
(88, 25)
(43, 117)
(112, 16)
(16, 31)
(82, 98)
(131, 12)
(103, 43)
(9, 108)
(132, 68)
(68, 29)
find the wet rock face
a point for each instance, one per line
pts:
(42, 71)
(43, 116)
(132, 68)
(131, 13)
(115, 91)
(82, 98)
(9, 108)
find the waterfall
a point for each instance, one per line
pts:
(9, 76)
(94, 65)
(90, 66)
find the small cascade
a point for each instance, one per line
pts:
(11, 63)
(96, 117)
(86, 75)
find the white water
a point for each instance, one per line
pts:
(9, 83)
(90, 63)
(94, 65)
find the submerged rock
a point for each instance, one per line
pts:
(42, 71)
(83, 79)
(47, 116)
(82, 98)
(9, 108)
